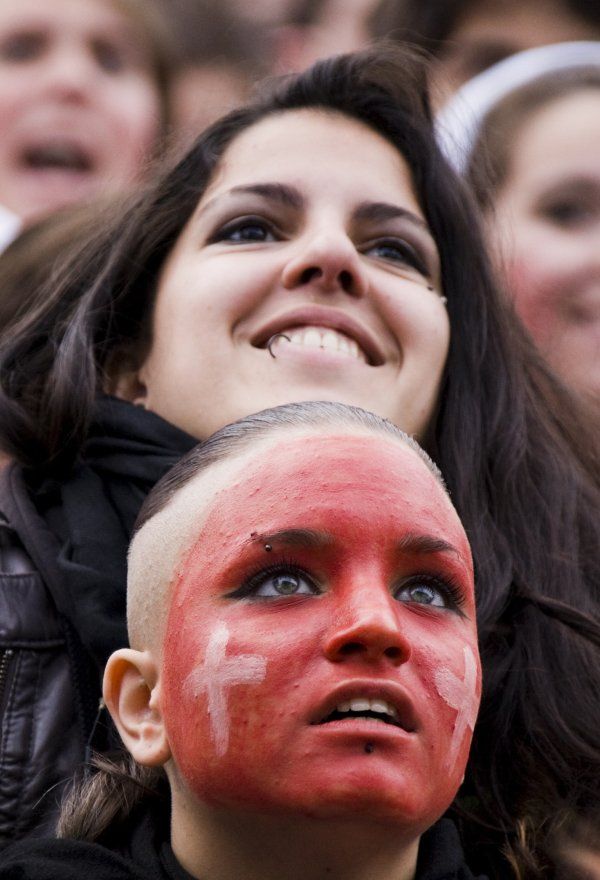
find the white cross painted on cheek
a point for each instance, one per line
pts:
(218, 673)
(460, 694)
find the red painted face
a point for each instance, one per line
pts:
(321, 652)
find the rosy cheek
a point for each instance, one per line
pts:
(461, 693)
(536, 293)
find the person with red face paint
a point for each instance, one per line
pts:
(314, 245)
(83, 102)
(303, 664)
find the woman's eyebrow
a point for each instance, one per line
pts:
(377, 212)
(293, 538)
(425, 545)
(287, 196)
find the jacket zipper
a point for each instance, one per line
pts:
(5, 660)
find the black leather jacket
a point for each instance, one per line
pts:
(48, 692)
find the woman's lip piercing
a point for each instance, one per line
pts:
(272, 340)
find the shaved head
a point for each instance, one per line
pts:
(174, 513)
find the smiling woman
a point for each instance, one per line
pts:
(304, 249)
(82, 99)
(310, 242)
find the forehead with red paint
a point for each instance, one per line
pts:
(367, 481)
(248, 675)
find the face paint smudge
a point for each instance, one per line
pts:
(218, 673)
(460, 694)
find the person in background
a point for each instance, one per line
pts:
(301, 703)
(526, 134)
(317, 28)
(221, 55)
(314, 245)
(83, 100)
(465, 37)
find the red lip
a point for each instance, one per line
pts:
(373, 690)
(321, 316)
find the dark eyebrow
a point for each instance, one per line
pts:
(425, 544)
(293, 538)
(288, 196)
(376, 212)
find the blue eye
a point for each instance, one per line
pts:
(396, 250)
(431, 592)
(246, 230)
(276, 582)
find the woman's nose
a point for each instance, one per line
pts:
(328, 262)
(71, 74)
(370, 632)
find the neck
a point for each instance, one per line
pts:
(220, 844)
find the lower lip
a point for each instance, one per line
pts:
(364, 727)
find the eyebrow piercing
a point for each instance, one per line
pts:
(272, 340)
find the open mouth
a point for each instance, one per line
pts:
(323, 338)
(379, 710)
(319, 327)
(372, 709)
(59, 156)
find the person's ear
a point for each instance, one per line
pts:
(124, 378)
(132, 695)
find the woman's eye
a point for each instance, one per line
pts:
(282, 582)
(22, 47)
(248, 230)
(568, 214)
(426, 591)
(397, 250)
(108, 57)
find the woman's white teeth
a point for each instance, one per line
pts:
(326, 339)
(381, 707)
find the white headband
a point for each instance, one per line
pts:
(460, 119)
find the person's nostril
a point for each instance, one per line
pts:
(310, 274)
(345, 280)
(351, 648)
(394, 653)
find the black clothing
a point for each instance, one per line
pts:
(63, 552)
(141, 852)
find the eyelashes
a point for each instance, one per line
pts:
(287, 579)
(279, 580)
(432, 591)
(245, 230)
(254, 229)
(397, 250)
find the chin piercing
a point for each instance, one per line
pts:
(273, 339)
(369, 748)
(268, 548)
